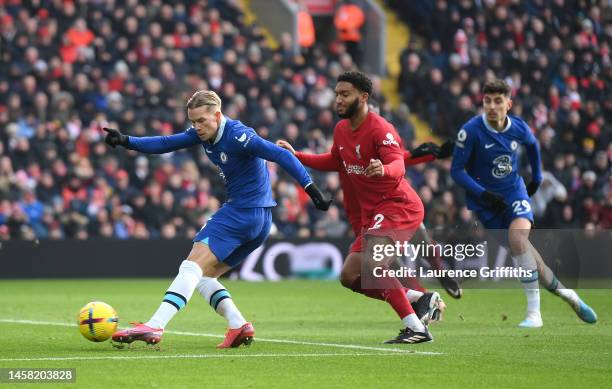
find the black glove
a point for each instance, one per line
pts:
(532, 187)
(317, 197)
(493, 201)
(115, 137)
(447, 148)
(424, 149)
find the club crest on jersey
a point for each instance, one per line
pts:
(223, 157)
(390, 140)
(502, 166)
(357, 151)
(513, 145)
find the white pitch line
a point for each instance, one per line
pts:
(335, 345)
(196, 356)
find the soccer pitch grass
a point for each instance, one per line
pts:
(308, 333)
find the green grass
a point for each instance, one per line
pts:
(479, 348)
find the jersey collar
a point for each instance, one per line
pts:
(484, 120)
(221, 129)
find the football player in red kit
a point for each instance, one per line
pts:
(426, 152)
(427, 305)
(368, 149)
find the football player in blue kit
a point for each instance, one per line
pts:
(485, 163)
(240, 226)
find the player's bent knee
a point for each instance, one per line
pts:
(206, 259)
(348, 280)
(517, 241)
(516, 245)
(518, 236)
(350, 276)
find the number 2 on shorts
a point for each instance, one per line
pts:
(378, 218)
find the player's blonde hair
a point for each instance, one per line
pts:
(204, 97)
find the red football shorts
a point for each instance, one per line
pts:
(392, 219)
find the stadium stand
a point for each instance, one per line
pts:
(68, 68)
(556, 57)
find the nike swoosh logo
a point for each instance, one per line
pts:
(489, 146)
(208, 151)
(242, 138)
(341, 147)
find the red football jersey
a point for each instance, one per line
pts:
(350, 203)
(375, 138)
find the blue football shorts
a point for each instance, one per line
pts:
(233, 233)
(519, 206)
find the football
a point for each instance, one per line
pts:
(97, 321)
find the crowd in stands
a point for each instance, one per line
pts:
(70, 67)
(555, 54)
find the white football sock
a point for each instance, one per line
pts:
(555, 286)
(412, 321)
(532, 288)
(178, 294)
(413, 295)
(221, 301)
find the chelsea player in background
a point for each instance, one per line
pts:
(485, 163)
(240, 226)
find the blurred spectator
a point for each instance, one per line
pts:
(556, 57)
(348, 19)
(551, 189)
(306, 28)
(331, 226)
(84, 65)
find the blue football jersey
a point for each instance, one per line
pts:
(246, 178)
(241, 156)
(485, 159)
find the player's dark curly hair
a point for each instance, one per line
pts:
(359, 81)
(497, 86)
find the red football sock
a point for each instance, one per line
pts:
(412, 283)
(377, 294)
(396, 297)
(392, 292)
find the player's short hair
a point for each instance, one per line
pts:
(358, 80)
(204, 97)
(496, 86)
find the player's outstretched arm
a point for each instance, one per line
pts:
(426, 149)
(428, 152)
(324, 162)
(446, 149)
(410, 160)
(151, 144)
(269, 151)
(115, 138)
